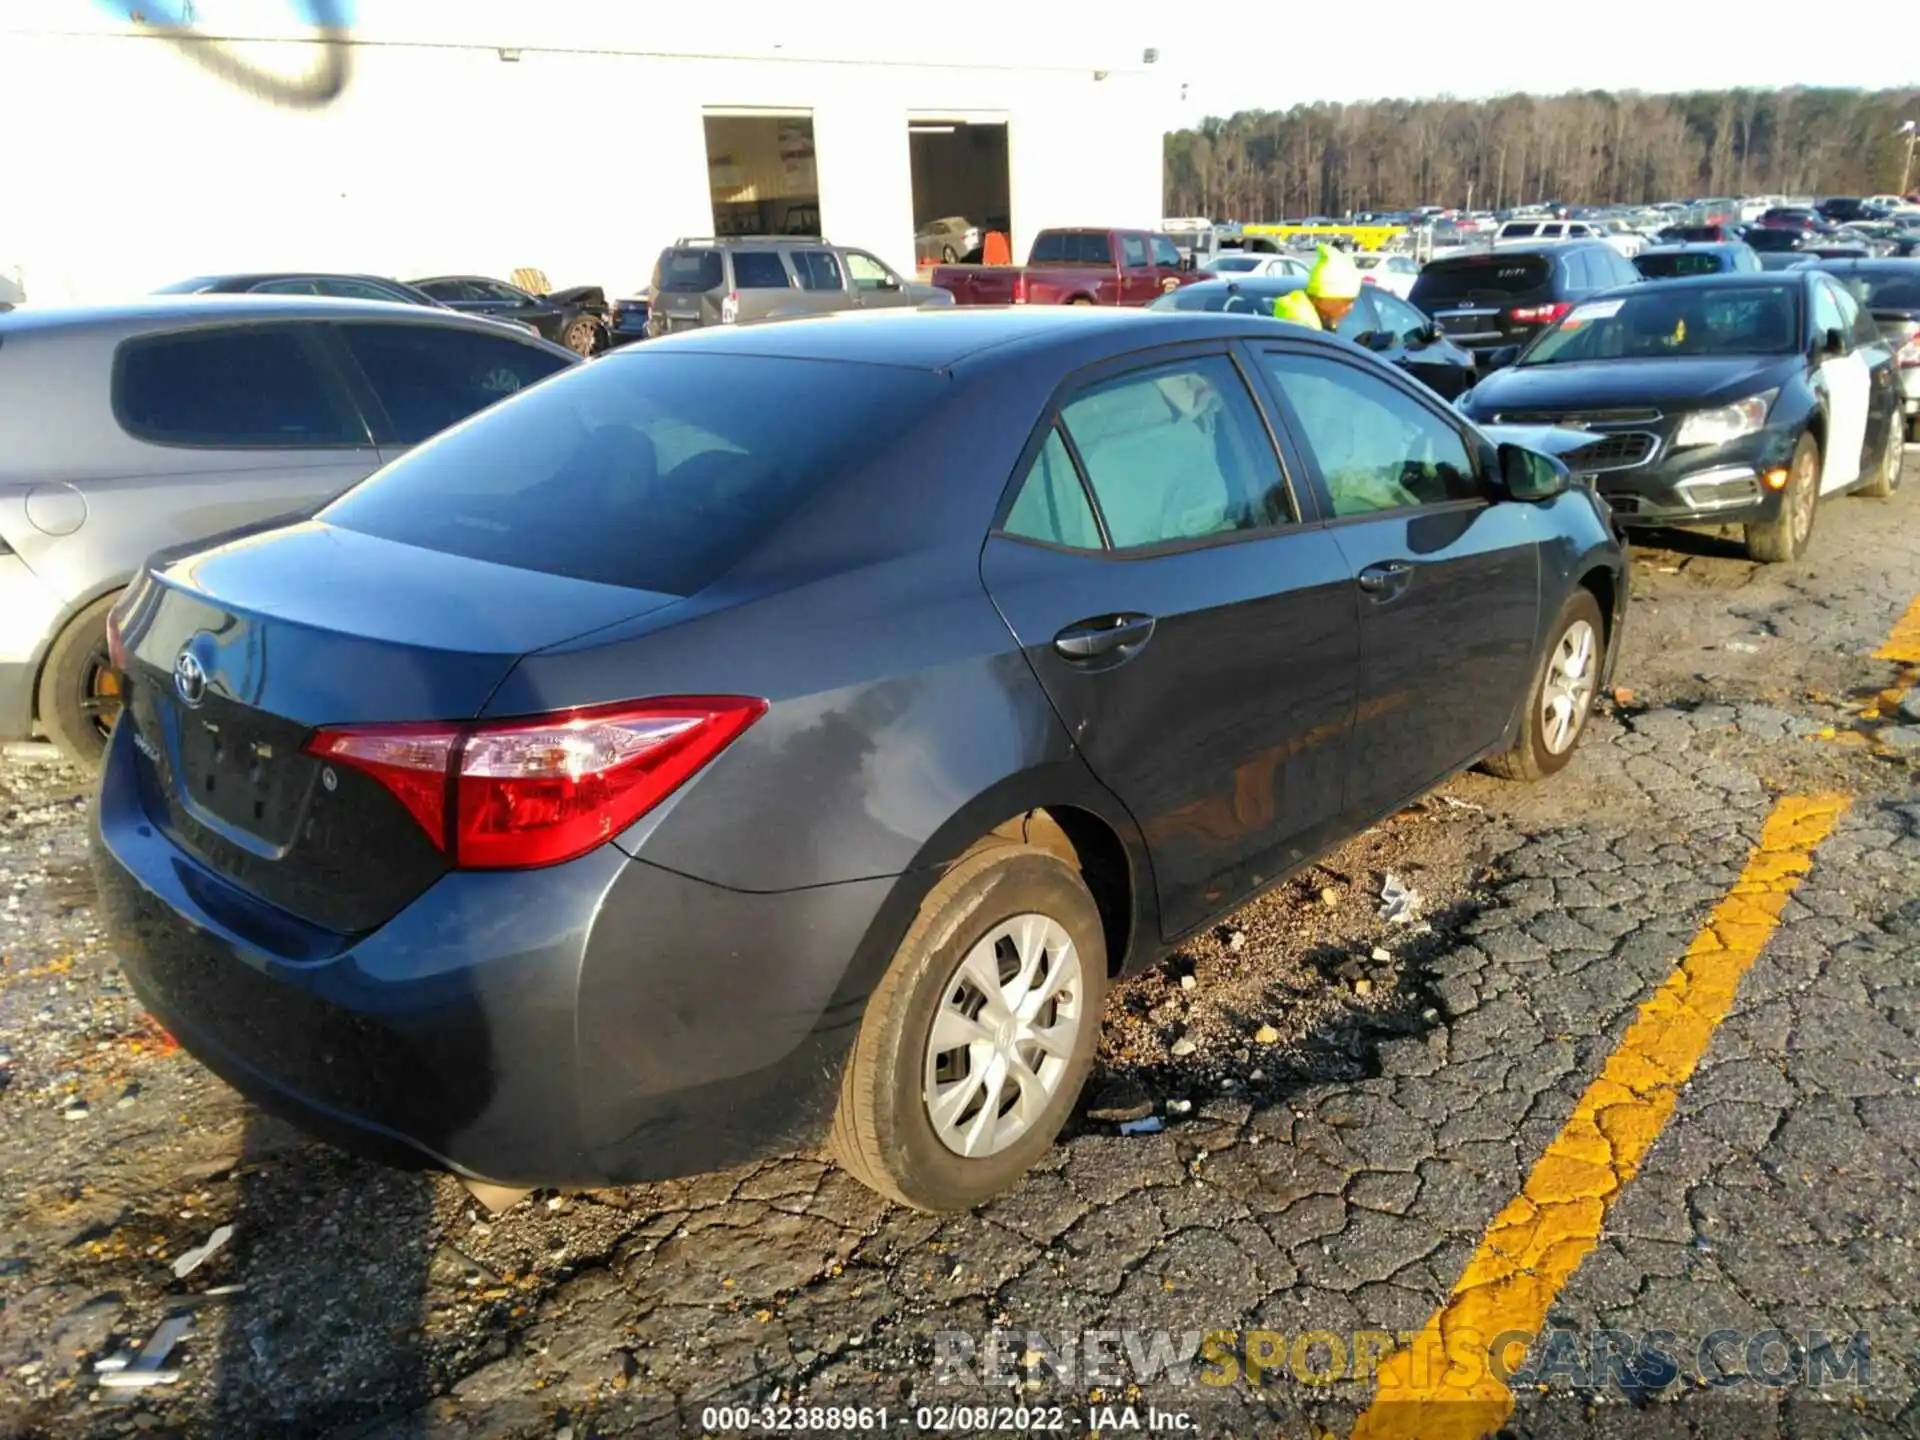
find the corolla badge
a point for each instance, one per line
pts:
(189, 678)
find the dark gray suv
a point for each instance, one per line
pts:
(134, 428)
(740, 281)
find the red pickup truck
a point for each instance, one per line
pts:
(1075, 267)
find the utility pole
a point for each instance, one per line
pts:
(1910, 129)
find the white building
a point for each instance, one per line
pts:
(482, 136)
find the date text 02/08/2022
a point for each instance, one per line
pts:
(940, 1419)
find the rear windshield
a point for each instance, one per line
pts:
(1235, 297)
(1073, 247)
(689, 270)
(1235, 262)
(1498, 278)
(1773, 240)
(1665, 266)
(642, 470)
(1518, 229)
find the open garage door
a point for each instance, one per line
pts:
(960, 185)
(761, 172)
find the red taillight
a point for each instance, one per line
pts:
(515, 794)
(1539, 314)
(1020, 288)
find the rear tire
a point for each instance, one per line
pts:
(582, 336)
(884, 1132)
(1886, 479)
(1561, 696)
(79, 694)
(1784, 538)
(947, 257)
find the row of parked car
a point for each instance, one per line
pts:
(435, 786)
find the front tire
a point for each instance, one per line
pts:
(582, 336)
(1561, 696)
(1886, 479)
(1784, 537)
(79, 690)
(978, 1038)
(947, 256)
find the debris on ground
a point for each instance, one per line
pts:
(1179, 1107)
(191, 1260)
(1182, 1047)
(143, 1370)
(1399, 901)
(1454, 802)
(1151, 1125)
(1266, 1035)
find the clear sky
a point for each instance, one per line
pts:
(1477, 48)
(1236, 55)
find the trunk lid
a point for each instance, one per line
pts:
(235, 655)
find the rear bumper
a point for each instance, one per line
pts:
(599, 1022)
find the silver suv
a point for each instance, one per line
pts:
(142, 427)
(743, 280)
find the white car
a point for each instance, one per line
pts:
(1532, 232)
(1243, 262)
(1392, 273)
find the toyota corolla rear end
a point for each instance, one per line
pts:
(386, 875)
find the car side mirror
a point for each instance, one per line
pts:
(1529, 475)
(1835, 343)
(1500, 357)
(1430, 334)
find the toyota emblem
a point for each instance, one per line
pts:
(189, 679)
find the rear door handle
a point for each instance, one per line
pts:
(1385, 577)
(1104, 635)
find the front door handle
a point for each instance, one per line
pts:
(1103, 636)
(1386, 577)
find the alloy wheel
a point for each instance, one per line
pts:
(1003, 1037)
(100, 694)
(1567, 694)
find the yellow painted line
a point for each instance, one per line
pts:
(1903, 641)
(1441, 1385)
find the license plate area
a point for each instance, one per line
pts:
(242, 775)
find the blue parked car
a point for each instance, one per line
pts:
(1674, 262)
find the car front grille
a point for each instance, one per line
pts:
(1614, 452)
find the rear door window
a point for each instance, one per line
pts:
(1177, 453)
(760, 270)
(641, 469)
(818, 270)
(252, 386)
(427, 378)
(1051, 505)
(1133, 252)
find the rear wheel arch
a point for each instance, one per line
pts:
(1091, 845)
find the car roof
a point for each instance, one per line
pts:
(158, 311)
(1251, 284)
(252, 276)
(1543, 248)
(945, 339)
(1720, 280)
(1864, 264)
(1698, 247)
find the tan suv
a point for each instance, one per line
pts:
(746, 280)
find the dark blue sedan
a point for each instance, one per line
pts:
(768, 731)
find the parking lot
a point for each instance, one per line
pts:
(1347, 1105)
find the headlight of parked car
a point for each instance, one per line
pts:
(1727, 422)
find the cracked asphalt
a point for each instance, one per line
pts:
(1369, 1130)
